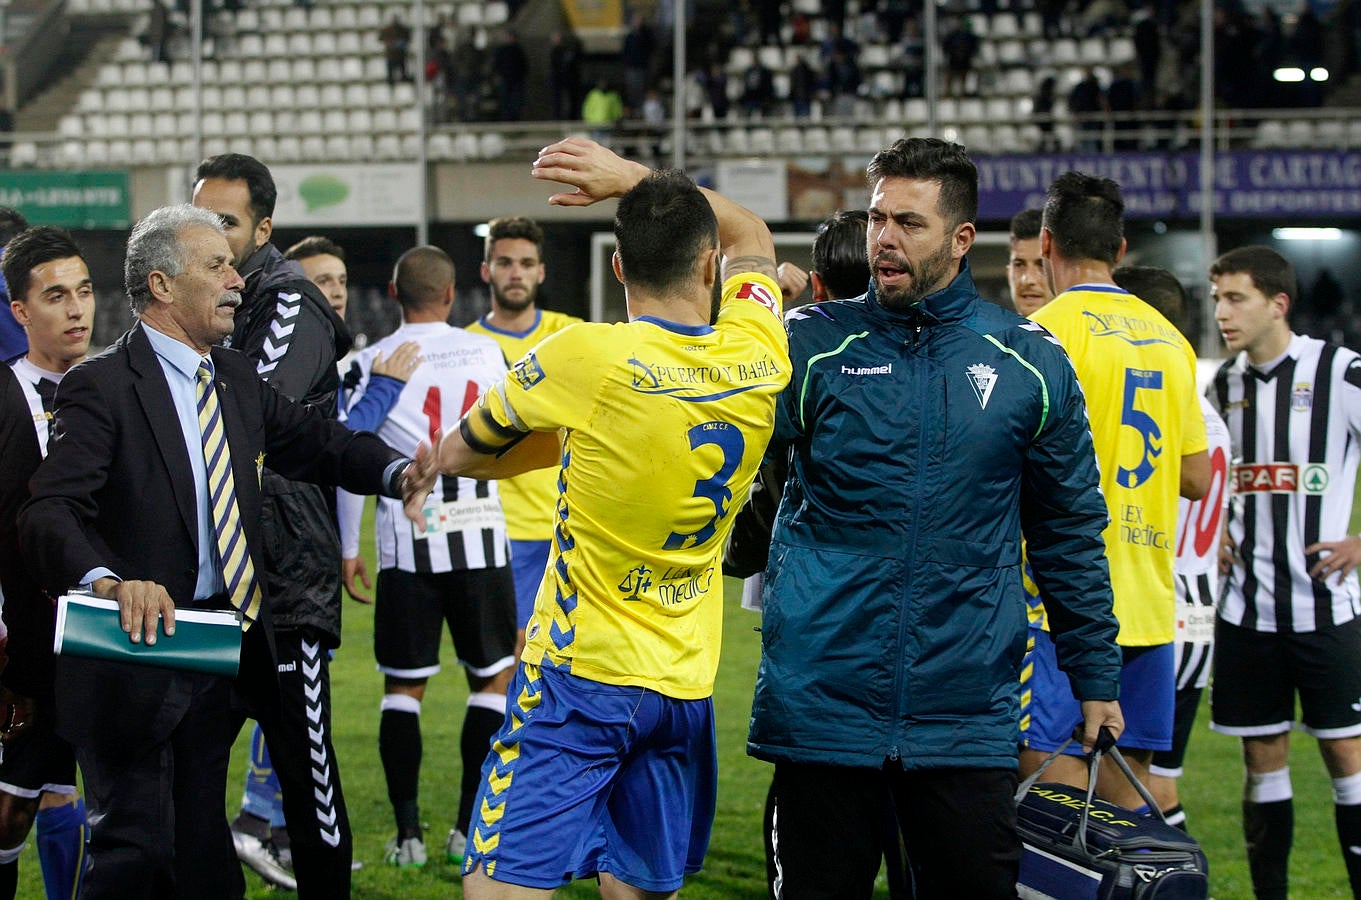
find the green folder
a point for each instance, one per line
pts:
(205, 640)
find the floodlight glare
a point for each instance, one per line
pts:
(1318, 73)
(1307, 234)
(1288, 73)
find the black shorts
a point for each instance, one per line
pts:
(1168, 763)
(1258, 673)
(36, 760)
(478, 604)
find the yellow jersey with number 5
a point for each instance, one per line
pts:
(1139, 376)
(665, 425)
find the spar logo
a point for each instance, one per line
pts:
(1280, 478)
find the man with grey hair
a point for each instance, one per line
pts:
(144, 435)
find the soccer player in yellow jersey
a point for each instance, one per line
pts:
(1139, 375)
(513, 268)
(606, 761)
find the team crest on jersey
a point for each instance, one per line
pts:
(528, 372)
(1302, 396)
(762, 294)
(982, 378)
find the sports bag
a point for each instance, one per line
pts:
(1076, 847)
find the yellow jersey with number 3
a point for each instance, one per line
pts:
(527, 499)
(1139, 376)
(665, 425)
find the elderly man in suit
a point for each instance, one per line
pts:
(148, 495)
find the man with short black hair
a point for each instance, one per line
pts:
(1287, 622)
(605, 762)
(926, 429)
(53, 300)
(1139, 375)
(295, 337)
(1026, 277)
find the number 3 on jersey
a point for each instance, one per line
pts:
(1135, 381)
(727, 438)
(434, 412)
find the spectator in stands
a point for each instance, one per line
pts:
(564, 73)
(912, 57)
(1053, 22)
(466, 76)
(834, 11)
(960, 46)
(510, 68)
(640, 44)
(1148, 49)
(396, 40)
(715, 81)
(770, 16)
(843, 82)
(1123, 99)
(1306, 41)
(893, 16)
(438, 62)
(758, 88)
(837, 40)
(602, 108)
(1043, 110)
(803, 82)
(1100, 17)
(156, 37)
(1087, 103)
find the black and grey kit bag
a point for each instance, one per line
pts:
(1076, 847)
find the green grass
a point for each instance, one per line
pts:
(1211, 788)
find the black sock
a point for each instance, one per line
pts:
(1268, 829)
(1349, 835)
(9, 880)
(1176, 817)
(399, 746)
(479, 726)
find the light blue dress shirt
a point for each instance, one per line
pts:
(180, 363)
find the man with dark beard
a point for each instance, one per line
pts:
(287, 327)
(513, 268)
(925, 428)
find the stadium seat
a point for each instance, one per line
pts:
(370, 16)
(70, 126)
(404, 94)
(313, 148)
(1330, 133)
(361, 147)
(440, 146)
(385, 120)
(120, 153)
(1062, 52)
(164, 123)
(233, 97)
(306, 96)
(496, 13)
(295, 19)
(359, 121)
(389, 147)
(1300, 133)
(356, 94)
(332, 95)
(347, 44)
(761, 141)
(972, 109)
(23, 155)
(260, 123)
(300, 44)
(250, 45)
(345, 18)
(288, 148)
(325, 43)
(337, 148)
(143, 152)
(320, 19)
(351, 69)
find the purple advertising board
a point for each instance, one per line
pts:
(1248, 184)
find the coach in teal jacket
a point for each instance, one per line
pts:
(924, 437)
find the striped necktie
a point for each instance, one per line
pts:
(238, 572)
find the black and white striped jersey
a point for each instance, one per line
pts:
(1296, 432)
(465, 527)
(1196, 571)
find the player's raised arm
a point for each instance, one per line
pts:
(597, 173)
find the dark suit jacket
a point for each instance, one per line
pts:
(116, 490)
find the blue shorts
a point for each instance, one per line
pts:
(585, 777)
(528, 560)
(1147, 691)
